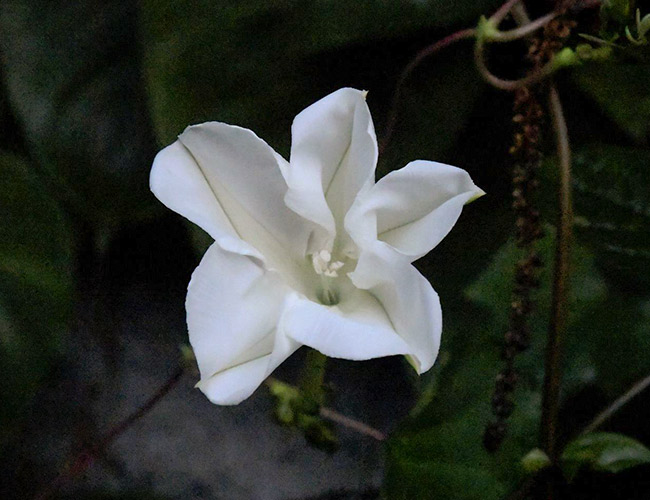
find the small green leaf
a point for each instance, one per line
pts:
(614, 15)
(535, 460)
(603, 451)
(294, 408)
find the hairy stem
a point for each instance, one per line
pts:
(559, 309)
(87, 456)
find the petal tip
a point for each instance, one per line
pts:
(477, 194)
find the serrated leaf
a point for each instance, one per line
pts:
(603, 451)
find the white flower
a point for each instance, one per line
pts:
(310, 251)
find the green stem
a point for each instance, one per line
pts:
(312, 378)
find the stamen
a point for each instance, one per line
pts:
(336, 265)
(325, 255)
(319, 265)
(323, 265)
(326, 269)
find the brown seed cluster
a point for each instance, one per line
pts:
(527, 155)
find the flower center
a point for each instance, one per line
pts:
(327, 270)
(323, 264)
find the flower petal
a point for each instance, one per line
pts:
(412, 209)
(229, 181)
(409, 300)
(357, 328)
(232, 386)
(179, 183)
(233, 308)
(333, 155)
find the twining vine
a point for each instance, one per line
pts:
(527, 156)
(532, 93)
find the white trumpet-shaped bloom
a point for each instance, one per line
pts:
(307, 252)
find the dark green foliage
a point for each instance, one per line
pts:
(603, 451)
(74, 85)
(449, 430)
(621, 90)
(613, 209)
(36, 288)
(86, 100)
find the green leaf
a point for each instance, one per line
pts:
(616, 11)
(535, 460)
(35, 287)
(424, 480)
(73, 79)
(622, 92)
(450, 428)
(255, 65)
(612, 205)
(603, 451)
(619, 330)
(258, 64)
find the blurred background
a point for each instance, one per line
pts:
(93, 270)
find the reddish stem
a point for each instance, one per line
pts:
(415, 62)
(87, 456)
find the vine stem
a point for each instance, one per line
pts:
(339, 418)
(352, 424)
(524, 30)
(406, 72)
(559, 304)
(641, 385)
(504, 36)
(312, 379)
(87, 456)
(509, 85)
(618, 403)
(503, 11)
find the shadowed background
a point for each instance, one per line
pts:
(93, 269)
